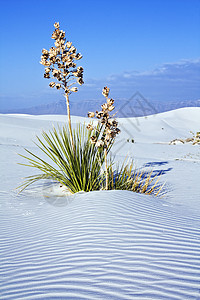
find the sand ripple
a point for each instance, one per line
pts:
(103, 245)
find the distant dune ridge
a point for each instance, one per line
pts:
(114, 245)
(136, 107)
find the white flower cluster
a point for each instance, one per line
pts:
(109, 125)
(59, 61)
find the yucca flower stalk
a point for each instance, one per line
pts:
(59, 63)
(104, 137)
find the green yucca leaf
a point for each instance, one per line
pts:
(79, 170)
(139, 181)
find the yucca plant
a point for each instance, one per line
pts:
(128, 178)
(74, 157)
(78, 171)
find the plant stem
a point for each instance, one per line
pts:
(69, 121)
(106, 166)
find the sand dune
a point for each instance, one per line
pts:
(107, 244)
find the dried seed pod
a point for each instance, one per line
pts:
(110, 101)
(45, 63)
(99, 143)
(78, 56)
(46, 75)
(47, 70)
(72, 49)
(58, 86)
(68, 44)
(65, 73)
(104, 106)
(90, 127)
(45, 52)
(52, 84)
(56, 25)
(91, 114)
(99, 114)
(110, 108)
(74, 89)
(93, 139)
(80, 69)
(80, 81)
(105, 91)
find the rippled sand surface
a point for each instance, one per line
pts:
(107, 244)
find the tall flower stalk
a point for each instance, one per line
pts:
(59, 63)
(105, 134)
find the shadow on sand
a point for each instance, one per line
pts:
(158, 172)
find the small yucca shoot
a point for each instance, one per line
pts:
(105, 136)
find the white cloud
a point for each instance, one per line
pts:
(170, 81)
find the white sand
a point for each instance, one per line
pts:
(103, 245)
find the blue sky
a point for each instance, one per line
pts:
(150, 46)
